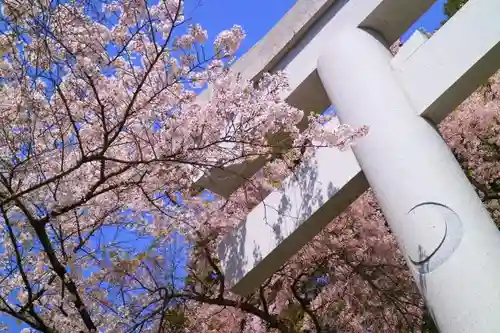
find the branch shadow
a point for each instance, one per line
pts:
(281, 228)
(423, 270)
(232, 254)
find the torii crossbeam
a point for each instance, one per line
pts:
(336, 52)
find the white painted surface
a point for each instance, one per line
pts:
(295, 44)
(416, 40)
(390, 17)
(425, 220)
(459, 57)
(288, 218)
(409, 168)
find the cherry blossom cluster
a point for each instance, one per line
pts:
(103, 136)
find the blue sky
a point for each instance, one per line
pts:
(257, 17)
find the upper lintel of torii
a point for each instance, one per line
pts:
(295, 43)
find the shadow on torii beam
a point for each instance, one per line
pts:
(434, 85)
(293, 45)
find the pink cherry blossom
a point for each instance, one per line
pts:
(102, 138)
(103, 135)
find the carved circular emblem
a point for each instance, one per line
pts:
(435, 231)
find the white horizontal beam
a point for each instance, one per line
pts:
(261, 58)
(390, 18)
(459, 57)
(288, 218)
(294, 45)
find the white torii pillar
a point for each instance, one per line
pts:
(450, 242)
(448, 238)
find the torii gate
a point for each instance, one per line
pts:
(335, 52)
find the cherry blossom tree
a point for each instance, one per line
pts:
(102, 138)
(473, 132)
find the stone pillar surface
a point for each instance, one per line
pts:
(448, 238)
